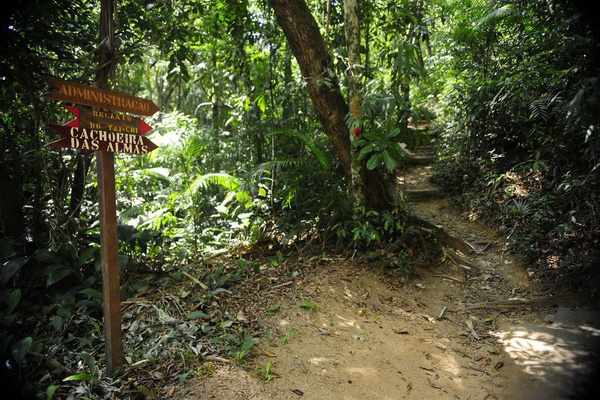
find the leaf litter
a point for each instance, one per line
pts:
(325, 326)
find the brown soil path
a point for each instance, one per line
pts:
(450, 333)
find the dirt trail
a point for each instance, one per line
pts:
(341, 329)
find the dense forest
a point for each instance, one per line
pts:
(282, 126)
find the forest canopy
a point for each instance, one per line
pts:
(282, 125)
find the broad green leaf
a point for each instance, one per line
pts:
(63, 312)
(55, 273)
(243, 197)
(374, 161)
(389, 161)
(198, 314)
(50, 391)
(56, 322)
(158, 173)
(261, 102)
(79, 377)
(359, 142)
(46, 256)
(366, 150)
(20, 349)
(92, 293)
(392, 133)
(68, 253)
(11, 267)
(145, 391)
(372, 135)
(12, 300)
(86, 255)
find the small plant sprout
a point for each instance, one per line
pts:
(284, 338)
(247, 345)
(310, 307)
(266, 372)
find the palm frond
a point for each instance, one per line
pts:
(495, 15)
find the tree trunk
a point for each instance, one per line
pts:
(314, 60)
(357, 187)
(310, 50)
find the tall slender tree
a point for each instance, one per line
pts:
(354, 74)
(315, 62)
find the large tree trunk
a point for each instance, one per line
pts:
(312, 54)
(308, 46)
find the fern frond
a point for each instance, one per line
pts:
(275, 166)
(319, 154)
(226, 181)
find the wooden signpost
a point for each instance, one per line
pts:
(92, 96)
(100, 140)
(100, 129)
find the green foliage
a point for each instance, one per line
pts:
(310, 307)
(519, 129)
(382, 132)
(248, 342)
(380, 148)
(284, 338)
(267, 371)
(239, 343)
(371, 228)
(242, 158)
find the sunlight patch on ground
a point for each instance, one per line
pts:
(345, 322)
(362, 371)
(284, 323)
(558, 354)
(320, 362)
(591, 330)
(536, 351)
(449, 365)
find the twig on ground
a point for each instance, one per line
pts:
(473, 332)
(282, 284)
(449, 277)
(515, 303)
(442, 312)
(202, 285)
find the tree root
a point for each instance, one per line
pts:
(434, 240)
(441, 236)
(48, 363)
(517, 303)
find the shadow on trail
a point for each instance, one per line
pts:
(560, 360)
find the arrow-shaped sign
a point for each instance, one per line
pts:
(95, 97)
(101, 140)
(107, 121)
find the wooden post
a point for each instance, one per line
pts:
(121, 135)
(110, 260)
(111, 286)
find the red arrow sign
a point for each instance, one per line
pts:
(101, 140)
(107, 121)
(95, 97)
